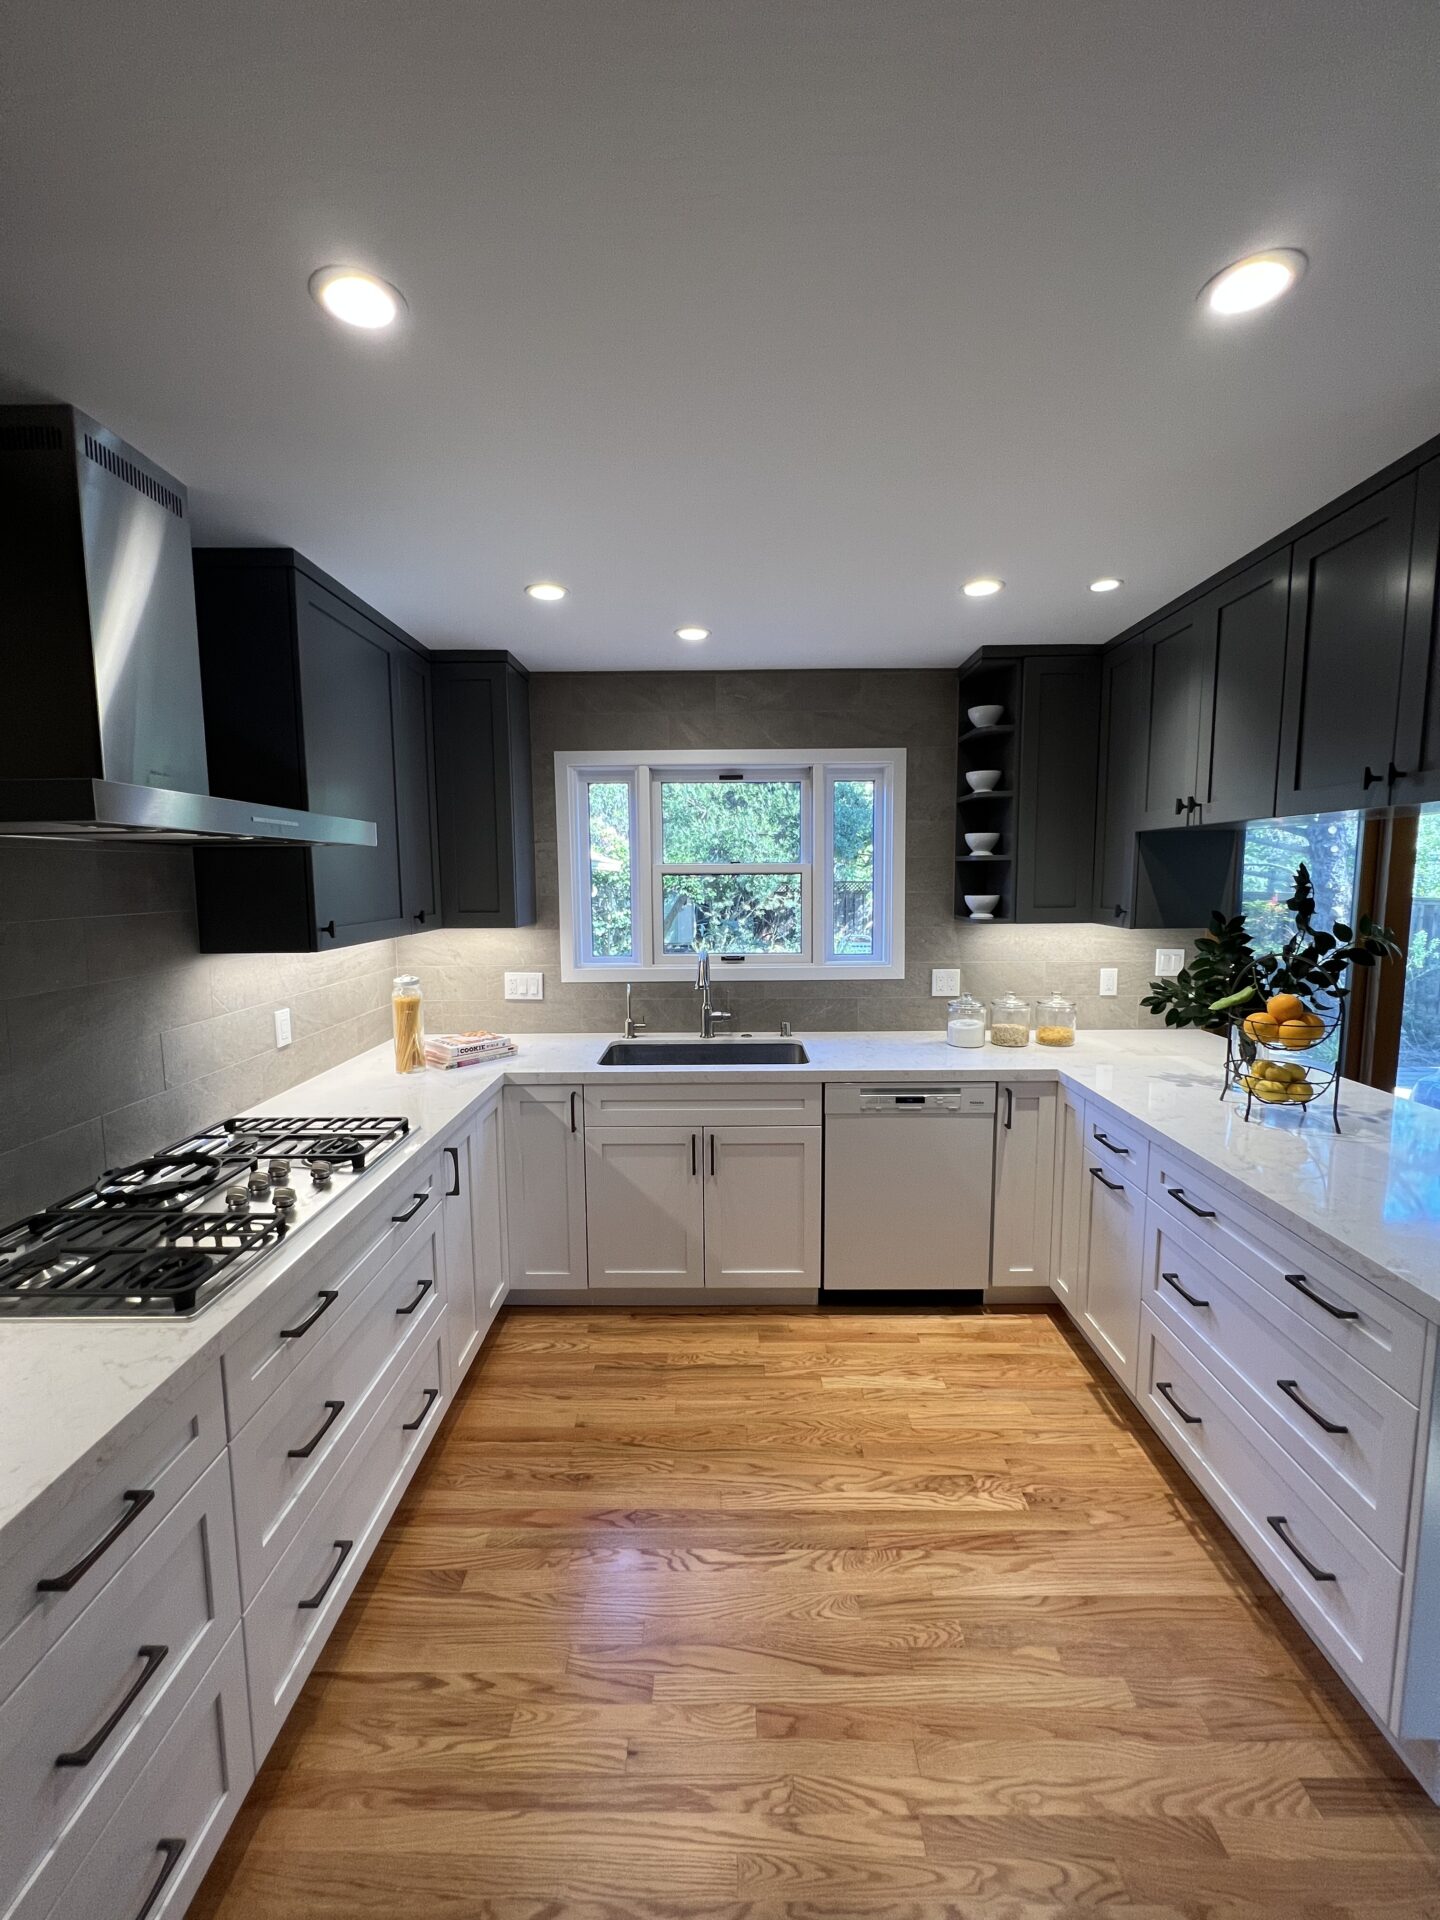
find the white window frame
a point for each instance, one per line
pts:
(818, 772)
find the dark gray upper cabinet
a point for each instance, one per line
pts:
(1124, 732)
(1055, 801)
(482, 790)
(415, 789)
(1417, 733)
(1177, 648)
(1242, 674)
(1345, 642)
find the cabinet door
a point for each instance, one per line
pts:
(1071, 1196)
(462, 1322)
(644, 1206)
(1024, 1186)
(414, 789)
(349, 763)
(1417, 740)
(1055, 824)
(762, 1206)
(1177, 652)
(1244, 671)
(1343, 655)
(487, 1218)
(1114, 1245)
(482, 793)
(545, 1186)
(1125, 694)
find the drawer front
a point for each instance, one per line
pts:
(167, 1829)
(76, 1734)
(680, 1104)
(291, 1324)
(285, 1457)
(1117, 1145)
(1362, 1321)
(1349, 1594)
(1292, 1380)
(95, 1530)
(290, 1619)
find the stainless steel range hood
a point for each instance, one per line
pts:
(103, 733)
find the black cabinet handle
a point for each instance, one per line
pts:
(712, 1156)
(333, 1411)
(405, 1312)
(1119, 913)
(327, 1298)
(342, 1547)
(1200, 1213)
(137, 1498)
(573, 1127)
(1009, 1108)
(1397, 773)
(82, 1756)
(1179, 804)
(453, 1193)
(417, 1200)
(432, 1394)
(420, 916)
(1302, 1285)
(1167, 1392)
(694, 1156)
(1291, 1390)
(329, 929)
(1115, 1186)
(172, 1850)
(1279, 1522)
(1174, 1280)
(1372, 779)
(1106, 1141)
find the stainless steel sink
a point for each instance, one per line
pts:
(704, 1053)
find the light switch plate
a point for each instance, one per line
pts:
(524, 986)
(283, 1035)
(1169, 961)
(944, 982)
(1109, 982)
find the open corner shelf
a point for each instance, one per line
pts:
(983, 859)
(996, 732)
(993, 793)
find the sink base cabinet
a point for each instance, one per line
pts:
(762, 1206)
(645, 1206)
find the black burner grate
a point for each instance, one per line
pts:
(340, 1139)
(129, 1258)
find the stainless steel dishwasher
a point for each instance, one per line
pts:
(908, 1178)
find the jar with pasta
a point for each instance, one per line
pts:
(406, 1007)
(1055, 1021)
(1009, 1021)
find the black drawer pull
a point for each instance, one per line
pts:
(333, 1411)
(417, 1200)
(1291, 1390)
(405, 1312)
(328, 929)
(138, 1498)
(1302, 1285)
(432, 1394)
(1106, 1141)
(453, 1193)
(1164, 1389)
(1279, 1522)
(1115, 1186)
(1201, 1213)
(82, 1756)
(1173, 1279)
(327, 1300)
(573, 1127)
(172, 1850)
(694, 1157)
(343, 1548)
(1371, 779)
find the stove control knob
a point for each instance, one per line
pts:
(279, 1171)
(284, 1199)
(259, 1185)
(319, 1171)
(238, 1196)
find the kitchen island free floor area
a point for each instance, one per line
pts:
(749, 1614)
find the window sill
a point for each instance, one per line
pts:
(724, 974)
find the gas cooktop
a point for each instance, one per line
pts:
(168, 1234)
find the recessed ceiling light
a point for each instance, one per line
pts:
(982, 588)
(545, 590)
(1106, 584)
(1254, 281)
(692, 633)
(359, 299)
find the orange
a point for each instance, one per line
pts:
(1285, 1006)
(1261, 1027)
(1300, 1033)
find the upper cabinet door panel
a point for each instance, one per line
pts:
(1177, 650)
(414, 787)
(1343, 655)
(1417, 740)
(1126, 693)
(1055, 831)
(1244, 673)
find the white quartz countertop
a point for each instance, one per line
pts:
(73, 1391)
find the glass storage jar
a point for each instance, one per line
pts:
(965, 1026)
(406, 1008)
(1055, 1021)
(1010, 1021)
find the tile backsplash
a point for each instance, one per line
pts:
(117, 1035)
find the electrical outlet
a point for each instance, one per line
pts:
(524, 986)
(944, 983)
(1169, 961)
(283, 1035)
(1109, 982)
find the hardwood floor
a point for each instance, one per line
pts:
(736, 1615)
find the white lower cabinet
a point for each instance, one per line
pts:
(1113, 1214)
(762, 1206)
(1020, 1249)
(475, 1282)
(645, 1206)
(1068, 1225)
(545, 1186)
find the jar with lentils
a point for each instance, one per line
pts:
(1009, 1021)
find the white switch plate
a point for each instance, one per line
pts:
(1169, 961)
(524, 986)
(1109, 982)
(944, 983)
(282, 1027)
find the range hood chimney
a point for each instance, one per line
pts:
(104, 738)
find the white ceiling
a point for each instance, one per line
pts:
(782, 316)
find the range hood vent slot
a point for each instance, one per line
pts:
(133, 476)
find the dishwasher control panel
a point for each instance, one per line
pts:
(966, 1097)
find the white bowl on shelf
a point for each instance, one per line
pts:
(985, 716)
(983, 779)
(982, 844)
(981, 906)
